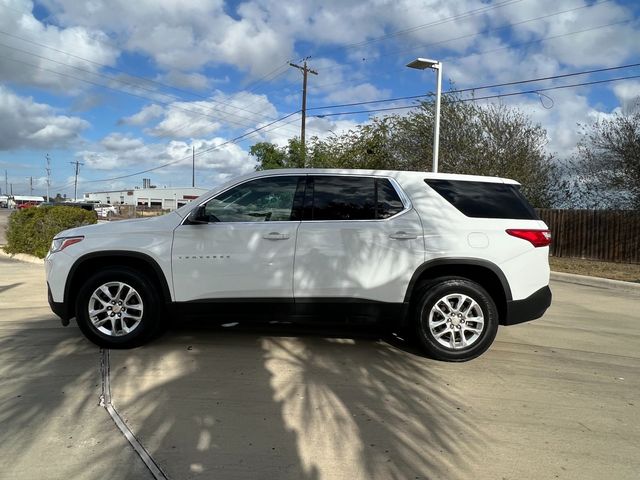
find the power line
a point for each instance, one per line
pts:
(513, 45)
(333, 84)
(137, 95)
(144, 79)
(474, 99)
(136, 86)
(471, 35)
(483, 87)
(503, 27)
(234, 140)
(410, 30)
(202, 152)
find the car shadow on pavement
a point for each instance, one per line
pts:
(286, 401)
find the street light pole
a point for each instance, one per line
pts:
(421, 64)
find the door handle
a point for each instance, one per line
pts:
(275, 236)
(403, 236)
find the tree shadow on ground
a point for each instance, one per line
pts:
(52, 424)
(286, 401)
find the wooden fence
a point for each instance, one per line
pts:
(607, 235)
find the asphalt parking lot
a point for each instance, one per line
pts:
(555, 398)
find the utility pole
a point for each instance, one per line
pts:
(48, 175)
(30, 185)
(305, 71)
(75, 186)
(193, 166)
(6, 182)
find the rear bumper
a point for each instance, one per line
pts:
(527, 309)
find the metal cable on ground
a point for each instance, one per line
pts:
(105, 401)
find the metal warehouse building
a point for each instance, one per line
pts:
(147, 196)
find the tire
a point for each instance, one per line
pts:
(127, 323)
(455, 319)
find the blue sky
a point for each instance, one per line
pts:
(126, 86)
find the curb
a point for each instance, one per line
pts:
(22, 257)
(595, 281)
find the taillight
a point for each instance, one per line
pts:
(538, 238)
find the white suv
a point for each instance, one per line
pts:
(450, 256)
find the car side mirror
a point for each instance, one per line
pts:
(197, 216)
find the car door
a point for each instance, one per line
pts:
(359, 240)
(244, 249)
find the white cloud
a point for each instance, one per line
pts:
(144, 116)
(215, 159)
(363, 92)
(25, 58)
(27, 124)
(628, 94)
(194, 81)
(238, 111)
(121, 142)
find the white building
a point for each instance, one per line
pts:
(148, 196)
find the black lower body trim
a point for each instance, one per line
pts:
(59, 308)
(530, 308)
(315, 310)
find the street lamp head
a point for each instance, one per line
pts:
(422, 63)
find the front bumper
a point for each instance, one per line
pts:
(59, 308)
(527, 309)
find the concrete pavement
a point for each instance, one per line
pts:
(555, 398)
(51, 425)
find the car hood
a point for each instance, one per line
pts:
(164, 223)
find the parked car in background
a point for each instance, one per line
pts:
(448, 257)
(104, 210)
(27, 205)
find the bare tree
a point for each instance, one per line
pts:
(608, 162)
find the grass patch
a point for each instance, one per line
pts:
(627, 272)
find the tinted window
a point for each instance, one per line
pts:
(343, 198)
(485, 199)
(351, 198)
(388, 203)
(260, 200)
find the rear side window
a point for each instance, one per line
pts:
(485, 199)
(350, 198)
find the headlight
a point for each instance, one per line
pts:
(61, 243)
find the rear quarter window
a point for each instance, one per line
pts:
(485, 199)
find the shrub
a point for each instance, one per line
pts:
(31, 230)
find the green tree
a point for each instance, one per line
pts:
(270, 156)
(493, 140)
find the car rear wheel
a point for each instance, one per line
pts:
(455, 319)
(118, 308)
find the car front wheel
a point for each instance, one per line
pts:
(455, 319)
(117, 308)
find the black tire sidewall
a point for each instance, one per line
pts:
(435, 292)
(149, 299)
